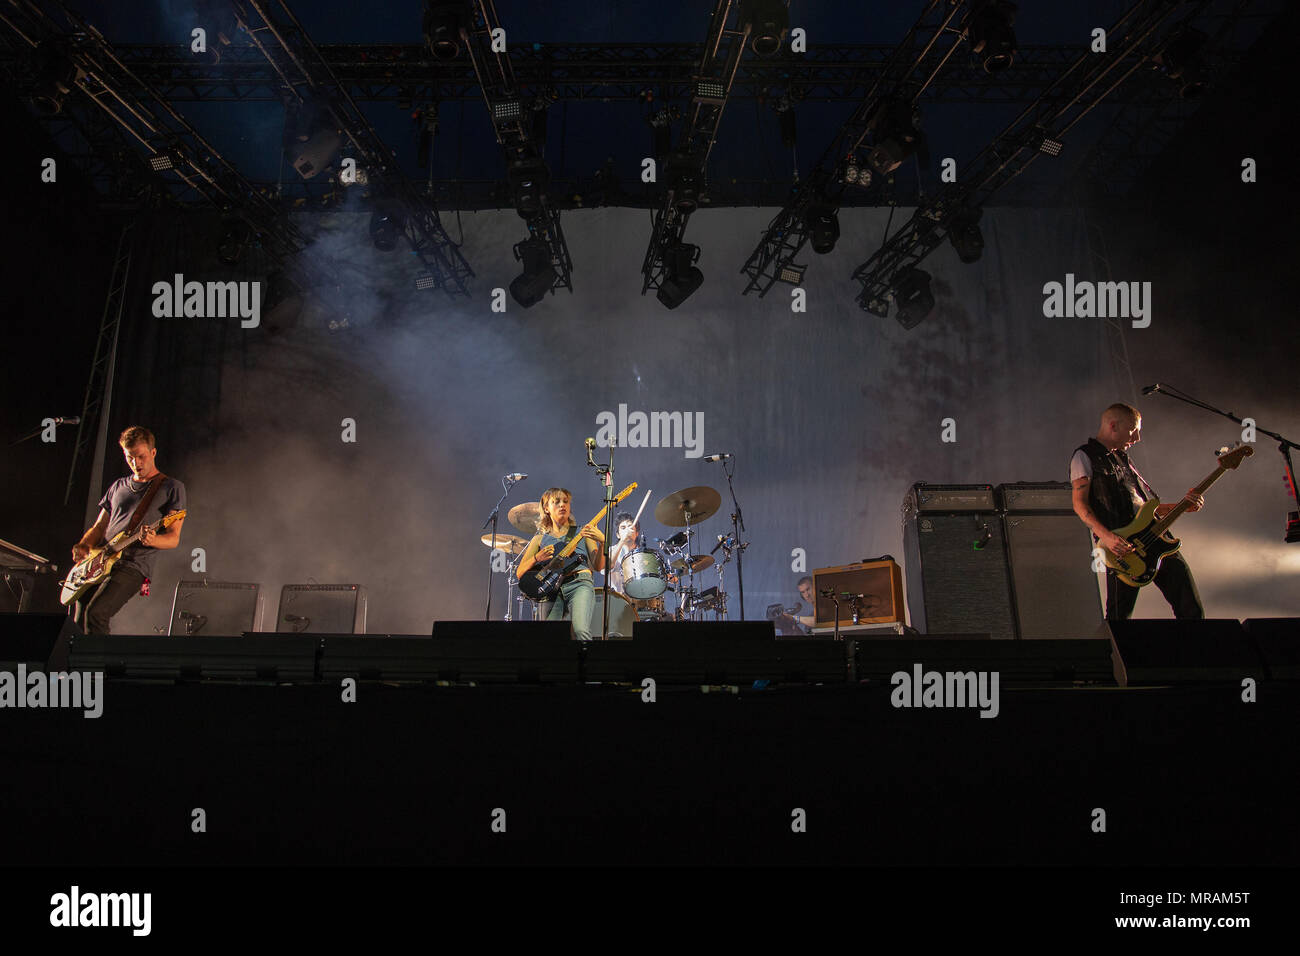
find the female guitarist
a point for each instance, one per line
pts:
(577, 594)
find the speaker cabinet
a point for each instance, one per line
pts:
(957, 581)
(1053, 583)
(1176, 652)
(207, 608)
(39, 641)
(321, 609)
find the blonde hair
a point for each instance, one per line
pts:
(549, 495)
(1118, 410)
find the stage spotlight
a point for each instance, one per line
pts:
(235, 237)
(823, 224)
(965, 235)
(681, 277)
(1182, 62)
(990, 34)
(912, 297)
(166, 159)
(315, 139)
(684, 184)
(442, 25)
(56, 77)
(386, 226)
(768, 22)
(538, 276)
(529, 180)
(896, 132)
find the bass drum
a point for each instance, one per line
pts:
(622, 614)
(644, 574)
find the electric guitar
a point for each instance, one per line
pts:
(541, 582)
(1150, 536)
(94, 567)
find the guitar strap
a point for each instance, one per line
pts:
(154, 484)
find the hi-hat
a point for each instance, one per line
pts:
(509, 543)
(701, 502)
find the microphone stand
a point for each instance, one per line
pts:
(605, 475)
(1284, 445)
(507, 484)
(737, 527)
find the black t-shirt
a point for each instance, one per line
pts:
(121, 500)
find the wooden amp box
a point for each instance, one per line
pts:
(880, 583)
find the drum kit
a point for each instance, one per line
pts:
(650, 573)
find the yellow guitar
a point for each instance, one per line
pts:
(1150, 537)
(94, 567)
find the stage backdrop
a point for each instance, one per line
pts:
(831, 413)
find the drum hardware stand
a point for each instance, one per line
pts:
(506, 483)
(605, 475)
(737, 527)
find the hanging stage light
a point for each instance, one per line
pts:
(681, 277)
(538, 276)
(386, 225)
(965, 235)
(823, 224)
(768, 21)
(442, 25)
(529, 180)
(896, 133)
(990, 34)
(912, 297)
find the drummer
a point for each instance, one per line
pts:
(628, 531)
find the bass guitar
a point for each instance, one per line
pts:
(1150, 536)
(94, 567)
(541, 582)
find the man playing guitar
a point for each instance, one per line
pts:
(93, 609)
(1108, 493)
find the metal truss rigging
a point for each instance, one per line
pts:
(513, 109)
(309, 82)
(913, 68)
(1042, 127)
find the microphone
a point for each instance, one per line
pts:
(717, 457)
(1151, 388)
(591, 446)
(517, 476)
(74, 420)
(724, 541)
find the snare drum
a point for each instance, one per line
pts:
(622, 614)
(644, 574)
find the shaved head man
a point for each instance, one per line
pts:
(1108, 493)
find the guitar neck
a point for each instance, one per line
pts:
(1179, 509)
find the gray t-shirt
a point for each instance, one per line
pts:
(121, 500)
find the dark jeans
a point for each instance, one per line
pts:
(93, 609)
(1174, 579)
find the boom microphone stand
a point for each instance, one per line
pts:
(1284, 445)
(605, 475)
(507, 482)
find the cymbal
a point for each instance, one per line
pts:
(509, 543)
(701, 501)
(699, 562)
(525, 516)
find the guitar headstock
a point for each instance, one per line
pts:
(625, 492)
(1234, 457)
